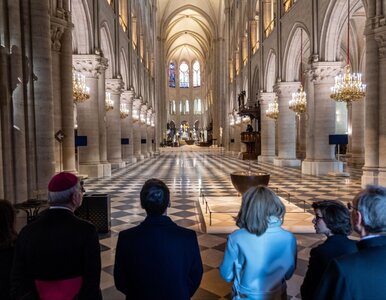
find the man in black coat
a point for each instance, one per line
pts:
(58, 247)
(361, 275)
(332, 219)
(157, 259)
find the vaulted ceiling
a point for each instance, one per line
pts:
(188, 28)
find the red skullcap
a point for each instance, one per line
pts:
(62, 181)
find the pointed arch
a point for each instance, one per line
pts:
(107, 49)
(270, 71)
(82, 39)
(123, 69)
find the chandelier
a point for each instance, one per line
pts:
(348, 87)
(298, 103)
(109, 104)
(124, 111)
(273, 109)
(80, 92)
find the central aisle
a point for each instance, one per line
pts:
(187, 170)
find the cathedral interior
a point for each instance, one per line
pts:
(120, 91)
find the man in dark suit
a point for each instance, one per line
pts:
(157, 259)
(332, 219)
(58, 249)
(361, 275)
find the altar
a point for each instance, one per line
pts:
(219, 215)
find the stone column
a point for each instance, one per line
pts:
(150, 136)
(114, 148)
(102, 117)
(322, 160)
(286, 124)
(144, 131)
(356, 123)
(67, 104)
(267, 129)
(42, 68)
(381, 39)
(89, 116)
(127, 128)
(137, 130)
(370, 169)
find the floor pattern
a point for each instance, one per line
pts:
(190, 170)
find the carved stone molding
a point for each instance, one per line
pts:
(380, 37)
(266, 98)
(137, 103)
(89, 65)
(57, 29)
(114, 85)
(127, 97)
(324, 71)
(285, 89)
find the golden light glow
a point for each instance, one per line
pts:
(348, 87)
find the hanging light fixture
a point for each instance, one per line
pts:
(298, 103)
(348, 87)
(80, 92)
(273, 109)
(124, 111)
(109, 104)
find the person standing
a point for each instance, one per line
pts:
(7, 241)
(261, 255)
(361, 275)
(332, 219)
(57, 256)
(157, 259)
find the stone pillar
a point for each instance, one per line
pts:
(67, 104)
(42, 68)
(137, 130)
(89, 117)
(127, 128)
(381, 39)
(150, 136)
(321, 160)
(370, 169)
(286, 126)
(267, 129)
(357, 129)
(114, 148)
(144, 131)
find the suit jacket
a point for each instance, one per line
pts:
(56, 246)
(360, 275)
(335, 246)
(157, 260)
(259, 265)
(6, 259)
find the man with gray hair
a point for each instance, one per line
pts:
(361, 275)
(57, 256)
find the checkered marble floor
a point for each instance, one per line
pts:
(190, 170)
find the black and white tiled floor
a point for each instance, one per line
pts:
(189, 170)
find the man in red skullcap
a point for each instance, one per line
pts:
(57, 256)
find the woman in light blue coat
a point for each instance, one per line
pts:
(261, 255)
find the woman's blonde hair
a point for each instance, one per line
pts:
(258, 204)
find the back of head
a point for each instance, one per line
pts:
(7, 224)
(259, 206)
(335, 215)
(371, 203)
(61, 188)
(155, 197)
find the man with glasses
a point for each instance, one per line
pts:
(361, 275)
(332, 219)
(57, 256)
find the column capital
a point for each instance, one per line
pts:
(90, 65)
(114, 86)
(127, 96)
(57, 27)
(380, 37)
(266, 97)
(285, 89)
(324, 71)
